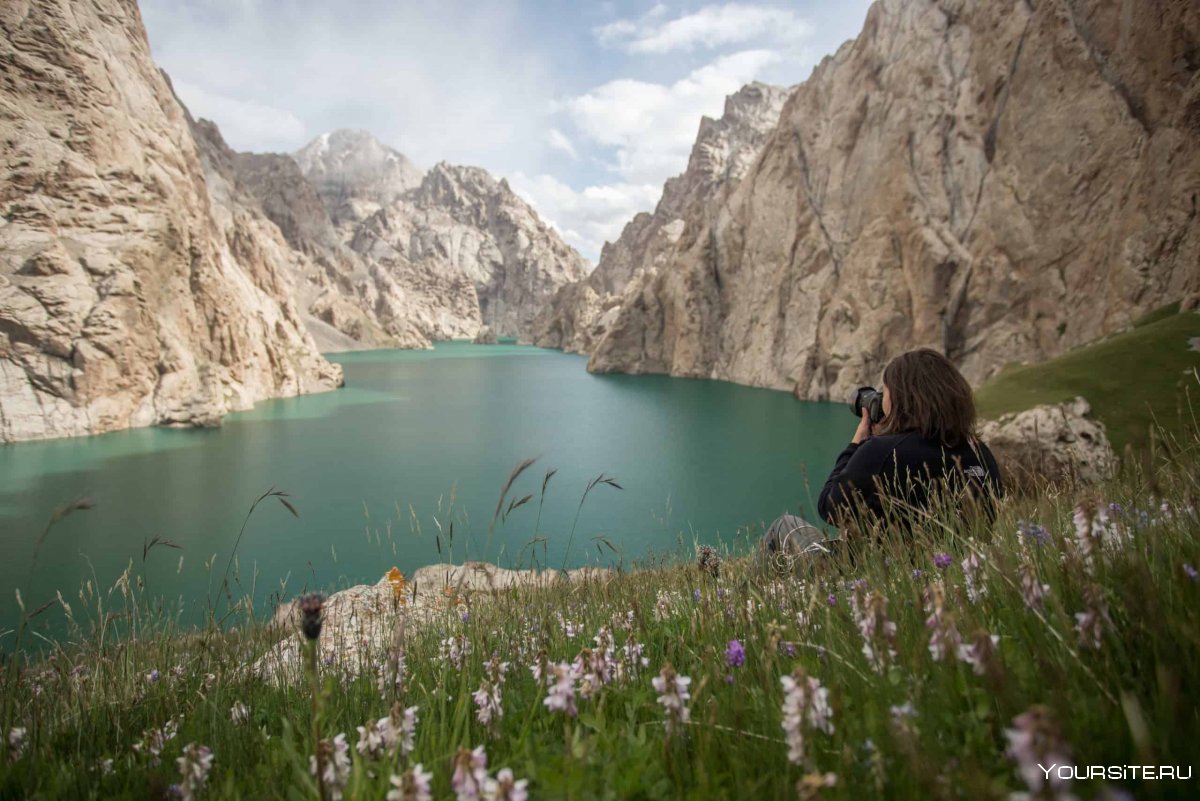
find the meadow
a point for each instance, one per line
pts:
(945, 663)
(1135, 380)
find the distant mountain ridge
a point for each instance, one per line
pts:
(355, 173)
(437, 227)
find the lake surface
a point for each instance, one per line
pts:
(414, 437)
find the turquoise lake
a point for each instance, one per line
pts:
(414, 437)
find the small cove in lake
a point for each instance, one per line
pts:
(410, 431)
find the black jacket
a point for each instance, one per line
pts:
(905, 466)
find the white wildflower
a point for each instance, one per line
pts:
(335, 758)
(673, 695)
(455, 649)
(804, 701)
(194, 767)
(239, 713)
(570, 628)
(982, 653)
(561, 682)
(972, 572)
(489, 696)
(944, 638)
(666, 604)
(408, 729)
(412, 785)
(378, 738)
(1032, 590)
(153, 740)
(470, 774)
(878, 633)
(390, 673)
(632, 659)
(1034, 741)
(16, 743)
(505, 788)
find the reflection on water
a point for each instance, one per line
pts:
(415, 437)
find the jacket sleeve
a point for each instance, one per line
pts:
(853, 477)
(993, 469)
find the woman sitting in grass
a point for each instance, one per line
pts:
(925, 447)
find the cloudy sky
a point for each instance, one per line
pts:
(586, 108)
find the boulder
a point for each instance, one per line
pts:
(1051, 442)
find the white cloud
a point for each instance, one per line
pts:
(710, 27)
(473, 83)
(652, 126)
(274, 129)
(589, 217)
(557, 140)
(453, 80)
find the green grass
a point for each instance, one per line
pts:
(1127, 698)
(1129, 378)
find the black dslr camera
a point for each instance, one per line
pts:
(870, 399)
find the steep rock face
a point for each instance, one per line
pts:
(461, 220)
(1001, 181)
(581, 313)
(130, 295)
(344, 305)
(450, 251)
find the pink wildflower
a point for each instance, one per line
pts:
(335, 761)
(804, 701)
(489, 696)
(561, 695)
(878, 633)
(673, 695)
(412, 785)
(194, 767)
(1032, 590)
(1034, 741)
(944, 639)
(505, 788)
(470, 774)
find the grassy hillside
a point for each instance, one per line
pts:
(943, 665)
(1129, 378)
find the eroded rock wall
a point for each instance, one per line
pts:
(130, 293)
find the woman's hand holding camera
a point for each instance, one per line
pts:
(864, 428)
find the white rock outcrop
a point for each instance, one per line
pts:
(1050, 442)
(361, 623)
(131, 292)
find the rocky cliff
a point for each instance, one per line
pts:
(132, 291)
(581, 313)
(463, 250)
(346, 302)
(1001, 181)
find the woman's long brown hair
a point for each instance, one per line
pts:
(930, 396)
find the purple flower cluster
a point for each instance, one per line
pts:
(1033, 532)
(735, 654)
